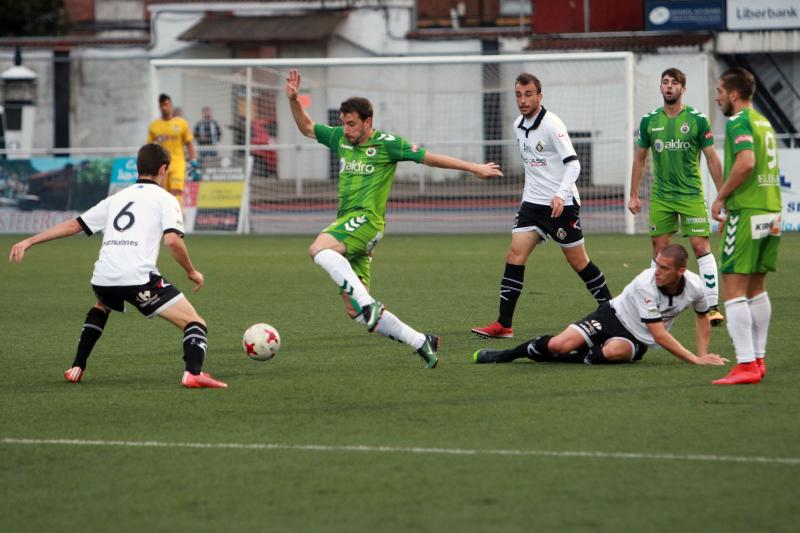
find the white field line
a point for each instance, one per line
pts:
(409, 450)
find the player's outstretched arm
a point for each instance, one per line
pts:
(301, 118)
(65, 229)
(180, 253)
(639, 160)
(671, 344)
(481, 170)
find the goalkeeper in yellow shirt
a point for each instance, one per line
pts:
(173, 133)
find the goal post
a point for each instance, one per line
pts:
(462, 106)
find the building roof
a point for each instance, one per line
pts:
(219, 28)
(622, 41)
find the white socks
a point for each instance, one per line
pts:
(707, 266)
(394, 328)
(343, 275)
(760, 311)
(740, 328)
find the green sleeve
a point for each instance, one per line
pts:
(706, 136)
(740, 134)
(328, 135)
(400, 149)
(644, 138)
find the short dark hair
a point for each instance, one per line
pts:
(679, 76)
(150, 158)
(677, 253)
(163, 98)
(359, 105)
(526, 79)
(739, 80)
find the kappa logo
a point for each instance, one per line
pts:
(144, 296)
(685, 128)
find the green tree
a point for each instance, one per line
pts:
(23, 18)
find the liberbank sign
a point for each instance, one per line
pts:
(763, 15)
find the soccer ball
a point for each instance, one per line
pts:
(261, 342)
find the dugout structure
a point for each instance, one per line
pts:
(457, 105)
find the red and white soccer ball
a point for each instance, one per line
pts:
(261, 342)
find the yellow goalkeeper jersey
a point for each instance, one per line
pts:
(172, 134)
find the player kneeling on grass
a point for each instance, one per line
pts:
(621, 330)
(133, 221)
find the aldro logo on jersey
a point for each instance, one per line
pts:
(355, 167)
(672, 145)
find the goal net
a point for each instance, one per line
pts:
(260, 175)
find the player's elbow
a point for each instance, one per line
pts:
(173, 240)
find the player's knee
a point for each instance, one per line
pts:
(516, 257)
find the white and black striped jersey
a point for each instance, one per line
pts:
(642, 301)
(545, 148)
(133, 222)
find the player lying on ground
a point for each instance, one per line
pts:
(133, 221)
(368, 161)
(620, 331)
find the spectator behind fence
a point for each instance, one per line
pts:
(207, 133)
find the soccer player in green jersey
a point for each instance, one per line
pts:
(751, 199)
(676, 134)
(367, 163)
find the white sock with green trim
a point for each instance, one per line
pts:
(338, 267)
(707, 266)
(394, 328)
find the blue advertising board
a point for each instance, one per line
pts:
(687, 15)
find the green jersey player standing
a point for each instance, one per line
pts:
(367, 163)
(751, 196)
(676, 134)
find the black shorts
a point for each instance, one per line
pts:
(150, 299)
(565, 230)
(603, 325)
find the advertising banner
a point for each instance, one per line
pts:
(763, 15)
(691, 15)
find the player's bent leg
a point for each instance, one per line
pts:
(92, 329)
(618, 350)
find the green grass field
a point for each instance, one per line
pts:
(347, 431)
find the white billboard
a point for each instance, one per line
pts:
(763, 15)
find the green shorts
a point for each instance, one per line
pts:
(750, 240)
(692, 213)
(360, 232)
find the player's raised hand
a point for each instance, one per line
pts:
(556, 206)
(711, 359)
(488, 170)
(18, 251)
(292, 84)
(197, 278)
(635, 204)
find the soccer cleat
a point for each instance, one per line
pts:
(201, 381)
(762, 366)
(428, 350)
(372, 314)
(494, 331)
(741, 374)
(74, 374)
(715, 316)
(491, 356)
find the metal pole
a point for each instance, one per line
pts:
(248, 167)
(630, 226)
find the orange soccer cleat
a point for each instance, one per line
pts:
(201, 381)
(494, 331)
(74, 374)
(741, 374)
